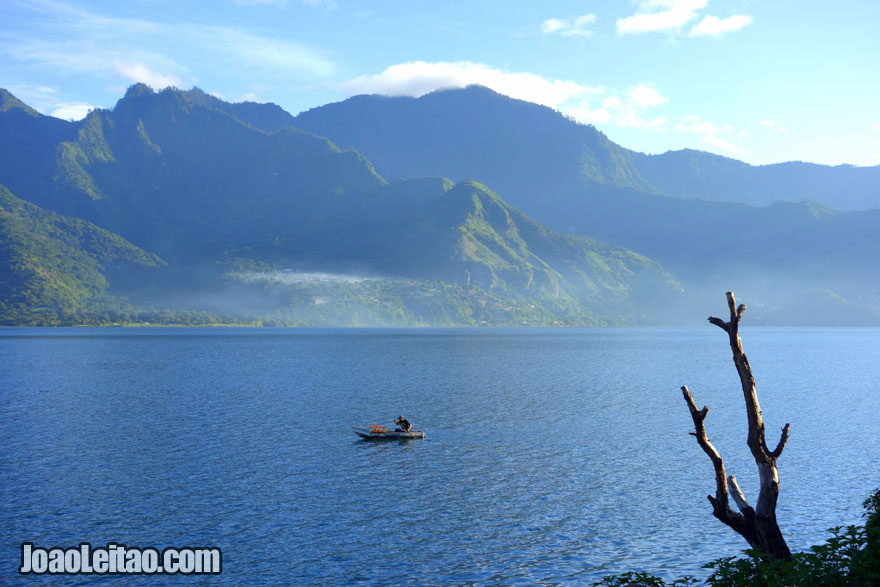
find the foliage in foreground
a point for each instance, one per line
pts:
(646, 579)
(850, 558)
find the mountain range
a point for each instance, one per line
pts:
(176, 206)
(772, 231)
(526, 150)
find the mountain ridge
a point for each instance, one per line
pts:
(689, 174)
(221, 201)
(573, 179)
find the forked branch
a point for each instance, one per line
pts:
(699, 417)
(758, 526)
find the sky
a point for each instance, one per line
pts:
(762, 81)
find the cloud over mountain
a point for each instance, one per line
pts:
(417, 78)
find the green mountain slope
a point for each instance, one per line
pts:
(471, 237)
(8, 103)
(54, 268)
(176, 177)
(239, 212)
(239, 202)
(572, 178)
(489, 262)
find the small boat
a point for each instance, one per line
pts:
(375, 432)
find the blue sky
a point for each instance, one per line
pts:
(758, 80)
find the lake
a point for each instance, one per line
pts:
(552, 456)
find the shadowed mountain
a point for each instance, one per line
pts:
(183, 179)
(697, 174)
(28, 142)
(530, 153)
(572, 178)
(197, 180)
(264, 116)
(183, 175)
(540, 158)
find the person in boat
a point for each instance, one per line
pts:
(403, 423)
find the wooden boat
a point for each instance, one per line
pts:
(380, 433)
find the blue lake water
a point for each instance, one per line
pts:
(551, 457)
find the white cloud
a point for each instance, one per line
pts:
(695, 125)
(712, 25)
(552, 25)
(577, 27)
(638, 122)
(71, 110)
(88, 23)
(612, 102)
(721, 143)
(586, 104)
(584, 20)
(643, 96)
(773, 124)
(584, 114)
(671, 15)
(420, 77)
(276, 55)
(877, 126)
(74, 55)
(75, 40)
(708, 133)
(624, 109)
(138, 72)
(660, 15)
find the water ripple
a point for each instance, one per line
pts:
(551, 457)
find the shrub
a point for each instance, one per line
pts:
(850, 558)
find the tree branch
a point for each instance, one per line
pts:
(739, 498)
(725, 326)
(731, 304)
(720, 501)
(757, 525)
(781, 446)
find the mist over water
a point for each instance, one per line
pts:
(294, 277)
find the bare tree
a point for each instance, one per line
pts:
(757, 525)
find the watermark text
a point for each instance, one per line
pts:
(119, 559)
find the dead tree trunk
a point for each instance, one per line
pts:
(757, 525)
